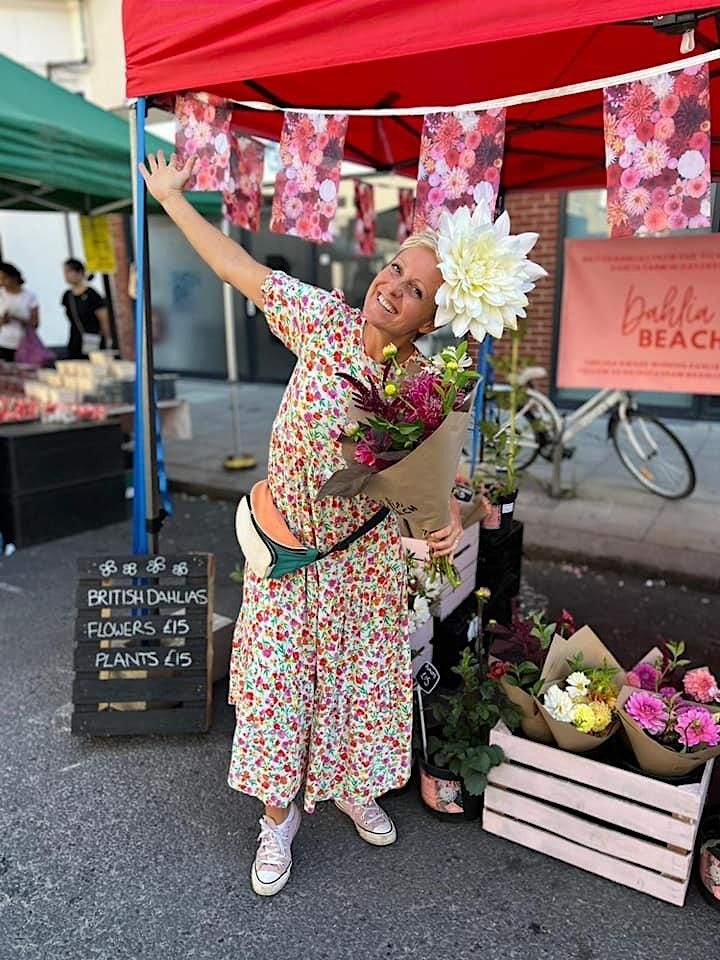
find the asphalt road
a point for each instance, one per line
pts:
(135, 847)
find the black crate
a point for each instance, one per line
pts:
(500, 558)
(31, 518)
(37, 457)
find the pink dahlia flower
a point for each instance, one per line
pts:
(647, 710)
(697, 727)
(647, 674)
(668, 692)
(700, 684)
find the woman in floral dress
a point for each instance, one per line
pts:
(320, 673)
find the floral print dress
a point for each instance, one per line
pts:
(320, 671)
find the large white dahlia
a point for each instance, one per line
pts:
(486, 272)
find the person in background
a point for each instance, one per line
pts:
(18, 310)
(85, 309)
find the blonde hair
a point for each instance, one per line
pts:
(423, 238)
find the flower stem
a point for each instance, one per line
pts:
(443, 567)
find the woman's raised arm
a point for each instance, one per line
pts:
(231, 263)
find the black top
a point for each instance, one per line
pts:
(81, 306)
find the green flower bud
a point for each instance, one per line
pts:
(390, 351)
(391, 389)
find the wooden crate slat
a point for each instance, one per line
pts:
(92, 628)
(603, 806)
(619, 871)
(127, 597)
(88, 689)
(686, 801)
(90, 567)
(91, 659)
(190, 719)
(654, 856)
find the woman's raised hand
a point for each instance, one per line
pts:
(164, 179)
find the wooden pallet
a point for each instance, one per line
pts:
(620, 825)
(143, 651)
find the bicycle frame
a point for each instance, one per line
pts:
(588, 412)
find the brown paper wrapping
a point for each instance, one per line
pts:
(417, 488)
(532, 722)
(555, 670)
(653, 756)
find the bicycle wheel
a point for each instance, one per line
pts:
(653, 455)
(534, 431)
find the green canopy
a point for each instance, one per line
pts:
(59, 152)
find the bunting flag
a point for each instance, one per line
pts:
(203, 131)
(364, 228)
(243, 200)
(306, 189)
(405, 213)
(460, 152)
(657, 153)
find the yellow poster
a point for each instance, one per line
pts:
(97, 242)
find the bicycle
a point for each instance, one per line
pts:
(647, 448)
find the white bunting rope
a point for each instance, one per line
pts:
(515, 100)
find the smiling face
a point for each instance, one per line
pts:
(400, 302)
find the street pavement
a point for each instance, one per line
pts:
(607, 519)
(135, 848)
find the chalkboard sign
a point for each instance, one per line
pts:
(142, 656)
(427, 678)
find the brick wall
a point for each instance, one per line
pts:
(537, 211)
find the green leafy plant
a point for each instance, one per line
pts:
(467, 715)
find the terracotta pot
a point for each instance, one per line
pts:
(445, 795)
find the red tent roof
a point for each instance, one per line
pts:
(344, 54)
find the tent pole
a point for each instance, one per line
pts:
(235, 460)
(146, 521)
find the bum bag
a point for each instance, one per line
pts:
(270, 548)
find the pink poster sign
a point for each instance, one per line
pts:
(641, 314)
(657, 149)
(306, 189)
(460, 153)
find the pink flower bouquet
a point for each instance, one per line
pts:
(404, 439)
(668, 735)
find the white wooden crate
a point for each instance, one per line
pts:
(422, 637)
(466, 563)
(623, 826)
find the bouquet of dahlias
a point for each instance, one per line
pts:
(581, 682)
(517, 655)
(586, 698)
(404, 439)
(669, 735)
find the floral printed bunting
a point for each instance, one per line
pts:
(459, 153)
(364, 228)
(203, 131)
(243, 200)
(306, 189)
(406, 203)
(657, 146)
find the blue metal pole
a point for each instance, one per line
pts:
(139, 530)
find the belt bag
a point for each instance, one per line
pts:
(270, 548)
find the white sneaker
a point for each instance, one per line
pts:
(371, 822)
(271, 867)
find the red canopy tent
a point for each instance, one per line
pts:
(396, 55)
(345, 54)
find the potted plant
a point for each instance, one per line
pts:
(497, 478)
(518, 654)
(709, 857)
(454, 770)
